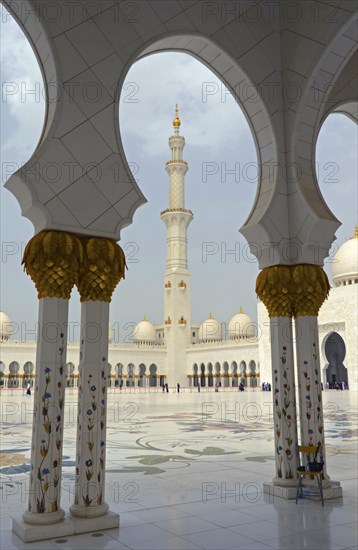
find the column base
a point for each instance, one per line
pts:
(332, 490)
(43, 519)
(68, 526)
(89, 511)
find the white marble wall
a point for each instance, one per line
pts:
(338, 313)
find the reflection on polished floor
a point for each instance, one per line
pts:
(186, 471)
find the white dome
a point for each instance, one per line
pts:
(345, 262)
(6, 327)
(241, 326)
(210, 330)
(144, 331)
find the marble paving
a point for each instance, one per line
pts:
(185, 471)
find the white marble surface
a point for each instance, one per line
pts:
(172, 469)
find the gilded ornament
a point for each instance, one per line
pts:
(53, 260)
(103, 267)
(176, 121)
(292, 290)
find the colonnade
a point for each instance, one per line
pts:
(56, 261)
(295, 292)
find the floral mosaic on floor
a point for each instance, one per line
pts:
(150, 435)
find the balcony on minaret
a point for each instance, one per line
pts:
(177, 210)
(168, 321)
(182, 321)
(176, 161)
(182, 285)
(168, 285)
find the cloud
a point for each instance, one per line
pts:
(160, 81)
(23, 103)
(215, 130)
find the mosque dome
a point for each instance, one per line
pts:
(6, 328)
(210, 330)
(345, 262)
(144, 331)
(241, 326)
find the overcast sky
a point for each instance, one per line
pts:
(216, 132)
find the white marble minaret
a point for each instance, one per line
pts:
(177, 314)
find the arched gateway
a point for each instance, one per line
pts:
(77, 223)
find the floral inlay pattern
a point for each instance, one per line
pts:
(48, 470)
(91, 441)
(311, 400)
(284, 401)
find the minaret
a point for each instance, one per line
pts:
(177, 311)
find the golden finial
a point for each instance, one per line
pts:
(355, 236)
(145, 318)
(176, 121)
(241, 310)
(211, 315)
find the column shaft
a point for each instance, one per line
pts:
(92, 406)
(309, 381)
(49, 397)
(284, 401)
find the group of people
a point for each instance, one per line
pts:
(337, 385)
(266, 386)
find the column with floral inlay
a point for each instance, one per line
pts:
(274, 289)
(53, 260)
(104, 266)
(311, 289)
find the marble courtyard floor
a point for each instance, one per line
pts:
(186, 471)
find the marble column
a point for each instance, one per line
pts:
(311, 288)
(104, 266)
(284, 401)
(309, 381)
(53, 260)
(92, 406)
(47, 431)
(274, 288)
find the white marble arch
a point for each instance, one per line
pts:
(209, 375)
(202, 375)
(252, 370)
(334, 353)
(217, 371)
(130, 375)
(14, 369)
(242, 372)
(29, 372)
(142, 371)
(119, 372)
(70, 371)
(225, 371)
(344, 92)
(314, 225)
(195, 379)
(153, 378)
(2, 375)
(109, 375)
(234, 374)
(95, 124)
(254, 57)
